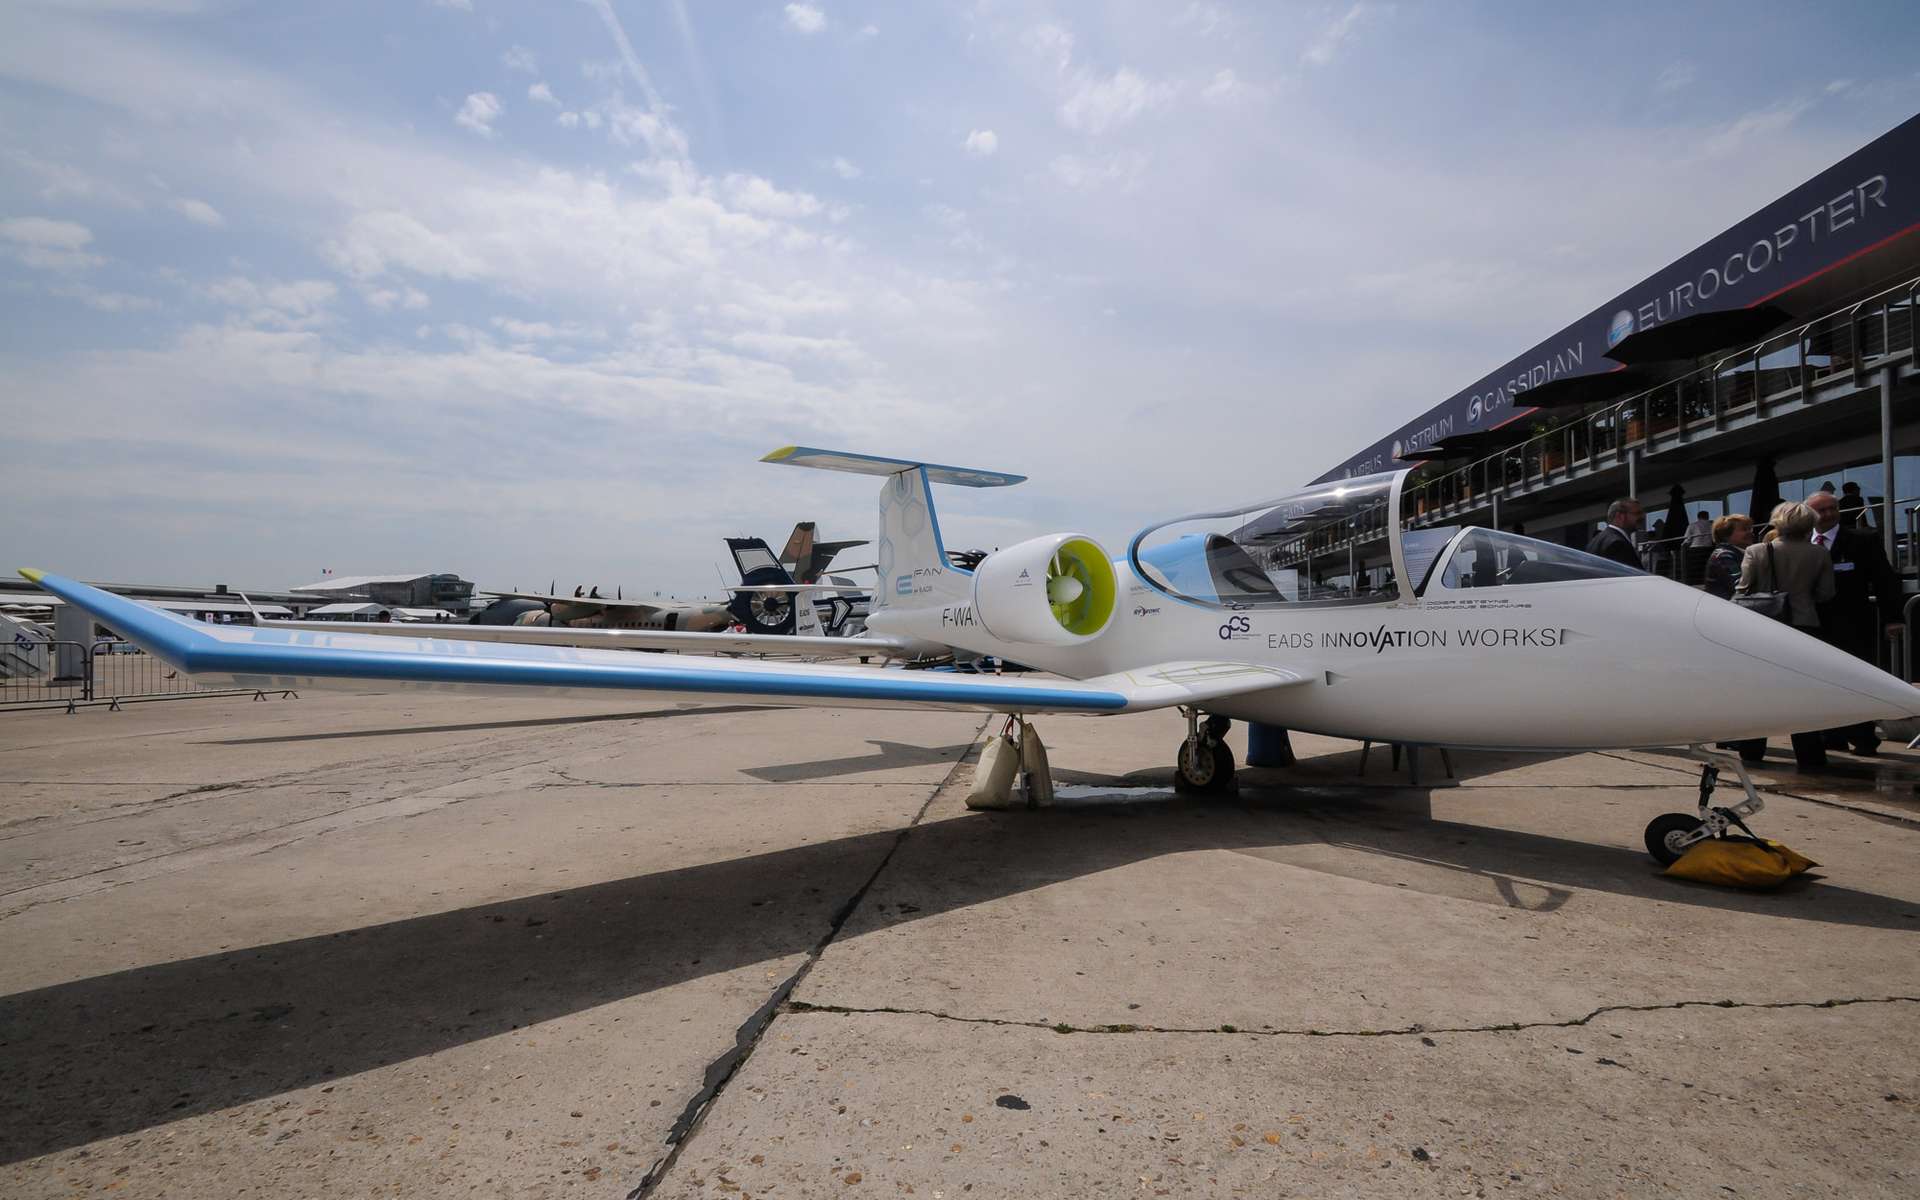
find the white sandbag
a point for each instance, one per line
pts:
(993, 775)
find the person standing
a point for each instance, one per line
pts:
(1865, 604)
(1625, 517)
(1853, 507)
(1731, 535)
(1700, 533)
(1789, 562)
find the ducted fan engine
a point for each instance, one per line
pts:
(1050, 591)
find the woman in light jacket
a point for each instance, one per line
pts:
(1789, 562)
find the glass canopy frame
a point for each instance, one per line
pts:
(1330, 544)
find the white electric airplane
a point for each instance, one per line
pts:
(1321, 611)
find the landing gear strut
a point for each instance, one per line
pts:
(1670, 834)
(1203, 765)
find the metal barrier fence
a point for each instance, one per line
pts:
(106, 673)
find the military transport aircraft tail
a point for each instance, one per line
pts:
(806, 558)
(760, 604)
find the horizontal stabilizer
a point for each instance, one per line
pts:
(868, 464)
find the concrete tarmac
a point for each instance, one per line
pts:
(424, 946)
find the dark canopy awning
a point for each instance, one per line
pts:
(1698, 336)
(1475, 444)
(1575, 390)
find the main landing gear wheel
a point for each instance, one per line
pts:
(1668, 836)
(1203, 766)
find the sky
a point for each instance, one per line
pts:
(522, 290)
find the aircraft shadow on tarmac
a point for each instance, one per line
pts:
(889, 756)
(119, 1053)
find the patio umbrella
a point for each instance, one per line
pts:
(1676, 510)
(1766, 492)
(1698, 336)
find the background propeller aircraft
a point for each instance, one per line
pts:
(584, 611)
(1320, 611)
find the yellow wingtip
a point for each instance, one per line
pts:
(782, 452)
(31, 575)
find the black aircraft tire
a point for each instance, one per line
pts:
(1660, 828)
(1209, 774)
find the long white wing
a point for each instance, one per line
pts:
(270, 657)
(866, 646)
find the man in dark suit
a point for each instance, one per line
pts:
(1615, 539)
(1866, 601)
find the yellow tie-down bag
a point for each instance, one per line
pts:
(1740, 862)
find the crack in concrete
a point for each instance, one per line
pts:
(722, 1070)
(1062, 1027)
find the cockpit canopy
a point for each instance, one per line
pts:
(1334, 544)
(1328, 544)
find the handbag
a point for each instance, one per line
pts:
(1770, 603)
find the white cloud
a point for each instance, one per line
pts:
(408, 299)
(869, 31)
(756, 195)
(1204, 19)
(479, 113)
(1760, 123)
(567, 120)
(981, 143)
(843, 168)
(199, 211)
(543, 94)
(48, 245)
(806, 18)
(1095, 105)
(1121, 171)
(1675, 76)
(461, 5)
(1326, 44)
(62, 181)
(1091, 102)
(299, 304)
(519, 58)
(546, 331)
(104, 301)
(1053, 43)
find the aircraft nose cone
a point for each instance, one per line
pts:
(1865, 692)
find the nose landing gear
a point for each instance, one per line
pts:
(1670, 834)
(1203, 766)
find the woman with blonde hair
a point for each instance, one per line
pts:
(1788, 562)
(1732, 535)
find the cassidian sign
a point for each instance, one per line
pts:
(1858, 204)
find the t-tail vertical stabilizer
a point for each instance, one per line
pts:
(913, 568)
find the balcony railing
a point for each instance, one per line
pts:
(1787, 368)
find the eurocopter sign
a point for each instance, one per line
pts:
(1854, 206)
